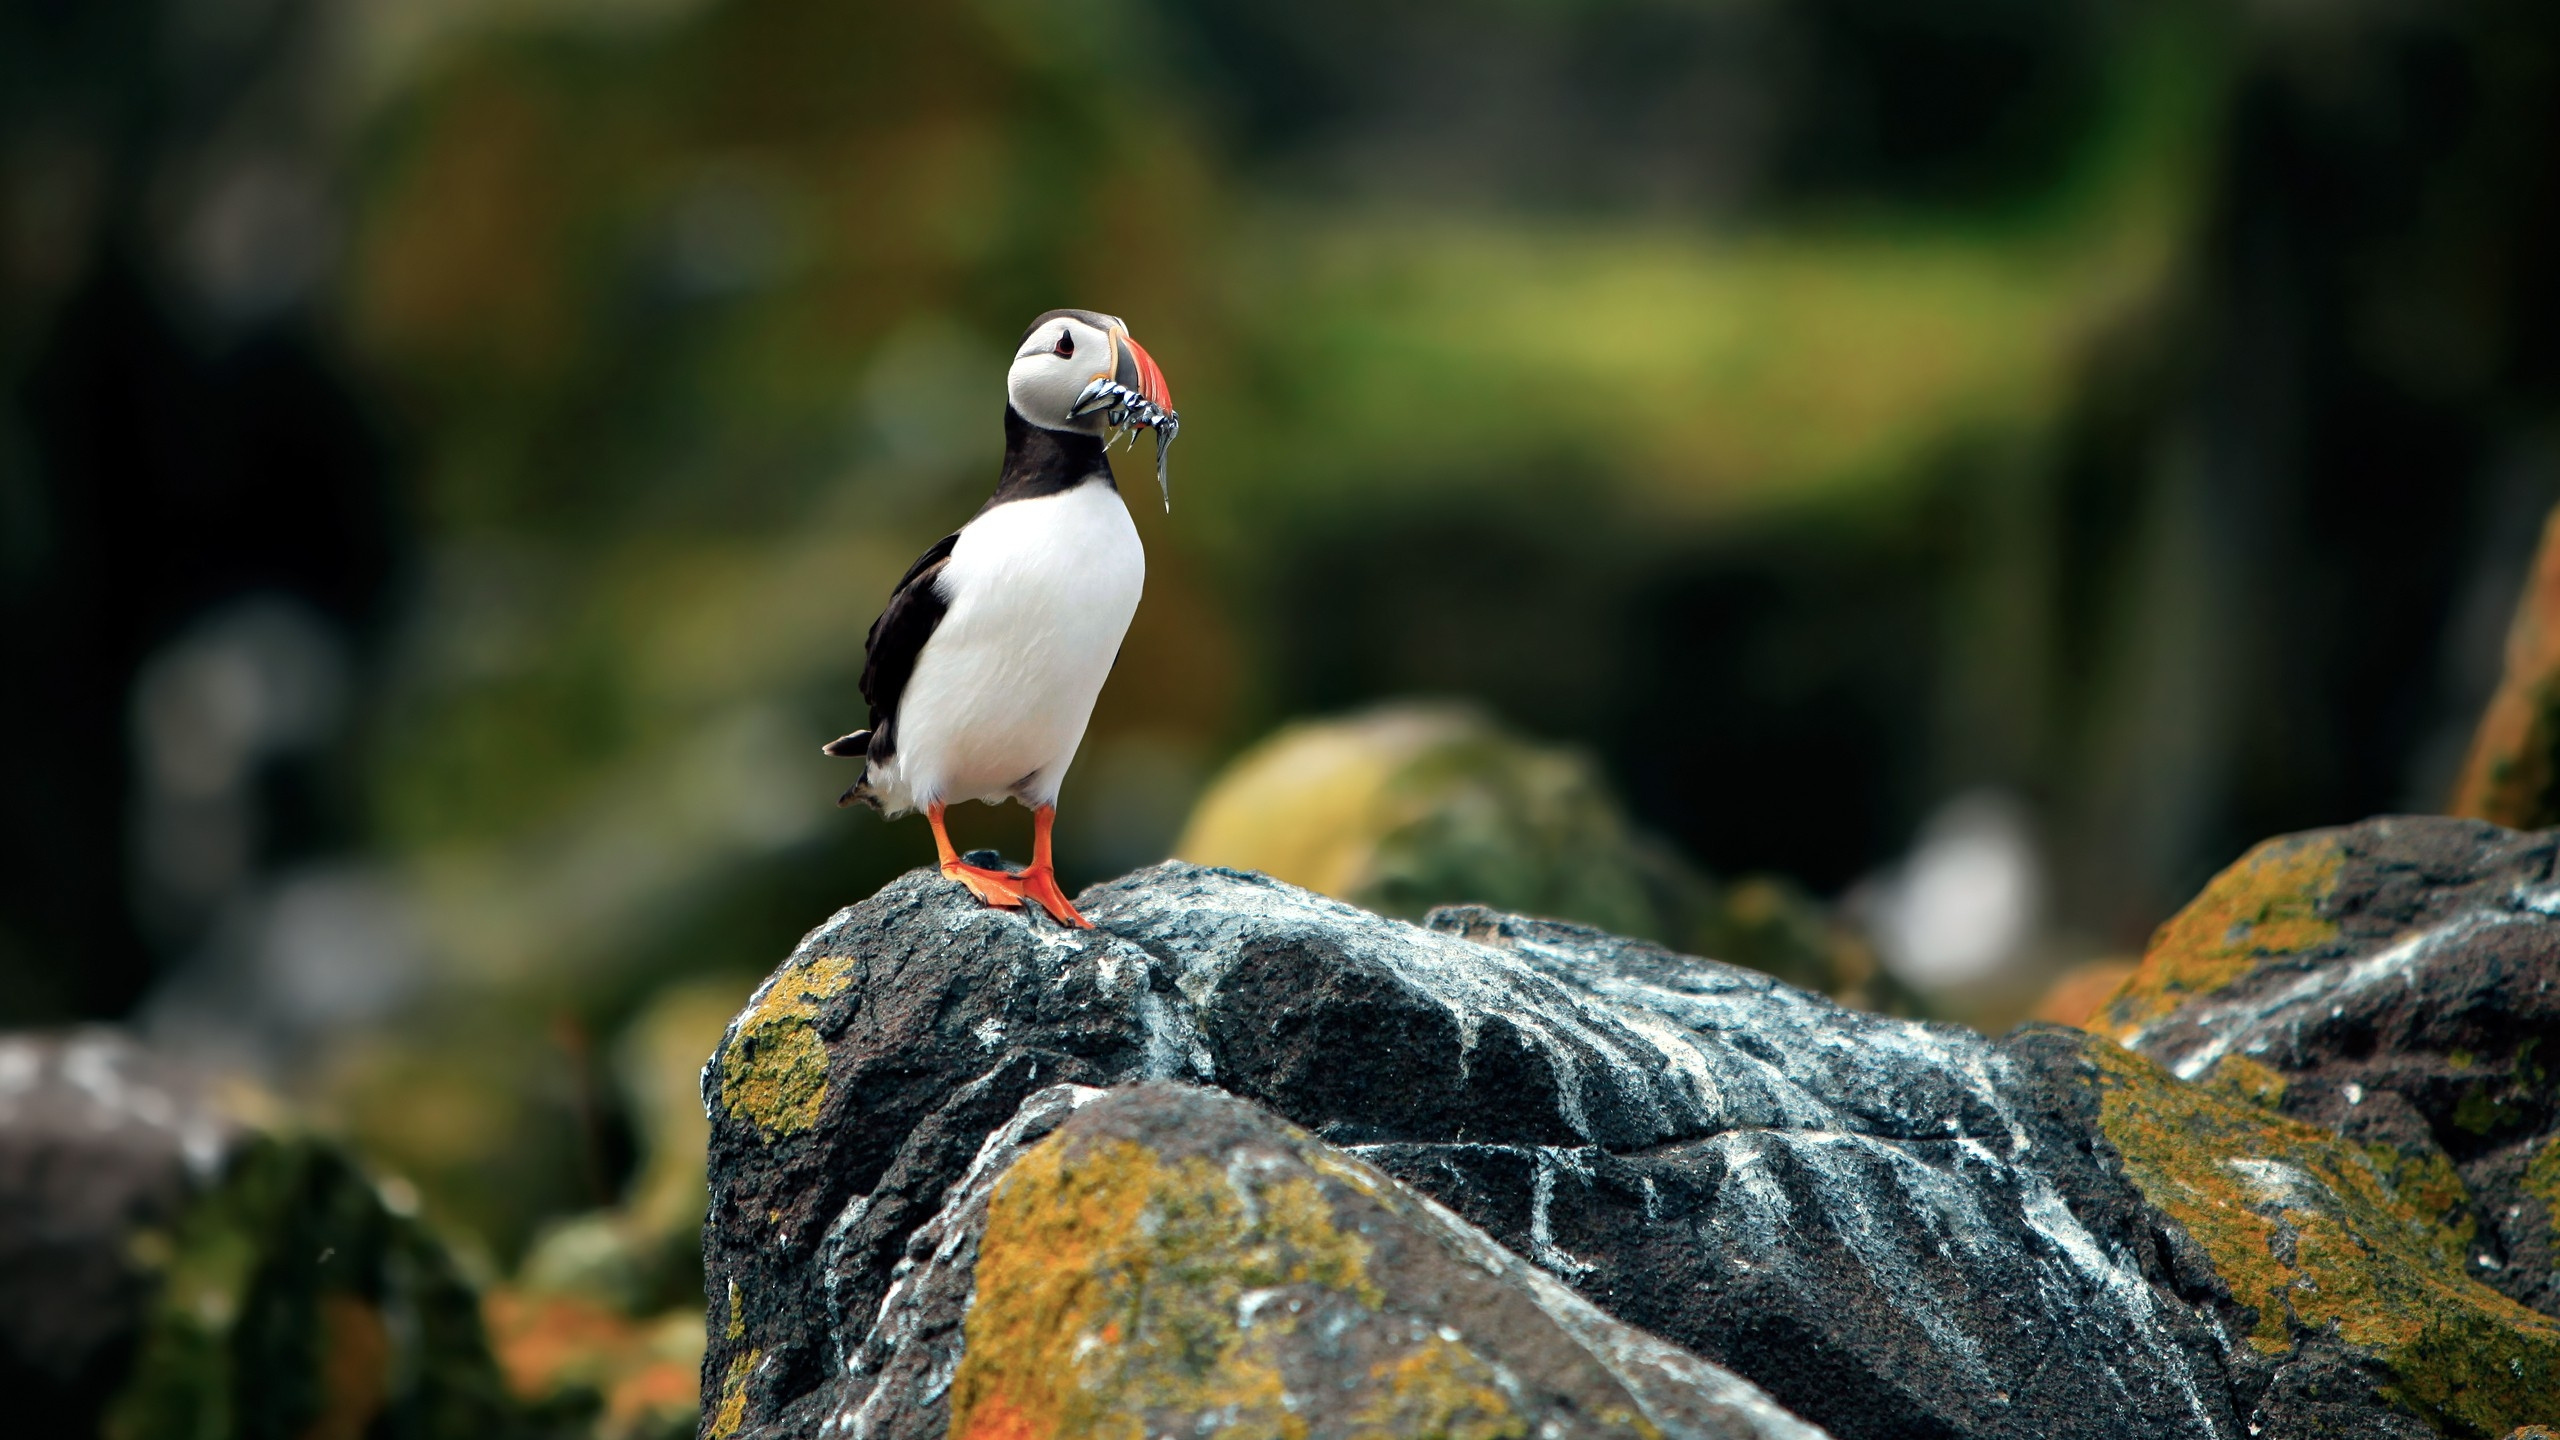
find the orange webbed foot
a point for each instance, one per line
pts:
(1042, 885)
(1000, 888)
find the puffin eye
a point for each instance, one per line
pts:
(1066, 346)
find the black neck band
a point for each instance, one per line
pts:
(1040, 461)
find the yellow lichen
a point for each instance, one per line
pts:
(1107, 1290)
(733, 1395)
(2250, 1080)
(2268, 903)
(1438, 1391)
(774, 1071)
(737, 1314)
(2312, 1233)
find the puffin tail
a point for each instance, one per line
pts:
(856, 746)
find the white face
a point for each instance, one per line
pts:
(1058, 359)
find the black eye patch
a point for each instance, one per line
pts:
(1066, 346)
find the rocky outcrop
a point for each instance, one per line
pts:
(166, 1269)
(1409, 805)
(1133, 1261)
(2394, 985)
(1888, 1228)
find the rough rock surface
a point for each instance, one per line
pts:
(166, 1270)
(1168, 1260)
(2396, 982)
(1894, 1229)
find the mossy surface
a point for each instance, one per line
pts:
(1109, 1287)
(2250, 1080)
(293, 1305)
(2269, 902)
(773, 1074)
(2314, 1233)
(1441, 1391)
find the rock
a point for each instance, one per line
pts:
(1167, 1260)
(2075, 995)
(2331, 1261)
(1408, 806)
(1895, 1229)
(2512, 774)
(2397, 983)
(167, 1268)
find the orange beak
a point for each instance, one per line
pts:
(1134, 367)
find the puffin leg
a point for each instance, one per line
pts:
(999, 888)
(1040, 882)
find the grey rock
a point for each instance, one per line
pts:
(166, 1269)
(1438, 1291)
(2418, 1008)
(99, 1143)
(1896, 1229)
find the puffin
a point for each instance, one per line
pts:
(982, 671)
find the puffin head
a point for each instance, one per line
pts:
(1079, 371)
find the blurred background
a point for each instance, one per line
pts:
(1894, 492)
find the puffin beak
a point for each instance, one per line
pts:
(1135, 392)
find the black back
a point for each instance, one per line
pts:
(897, 638)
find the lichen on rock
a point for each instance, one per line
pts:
(2269, 902)
(1117, 1285)
(784, 1087)
(1176, 1261)
(2313, 1234)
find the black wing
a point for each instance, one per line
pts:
(897, 638)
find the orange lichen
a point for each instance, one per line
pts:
(1108, 1285)
(2250, 1080)
(773, 1072)
(2314, 1233)
(1438, 1391)
(2268, 903)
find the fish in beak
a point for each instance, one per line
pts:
(1133, 395)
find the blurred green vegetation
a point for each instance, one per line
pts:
(1804, 409)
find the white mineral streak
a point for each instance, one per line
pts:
(1847, 1181)
(1688, 1050)
(1174, 1049)
(2114, 1277)
(2287, 1187)
(2249, 1023)
(1851, 1106)
(1542, 1198)
(1635, 1357)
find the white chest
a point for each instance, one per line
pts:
(1040, 593)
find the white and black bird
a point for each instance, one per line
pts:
(983, 670)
